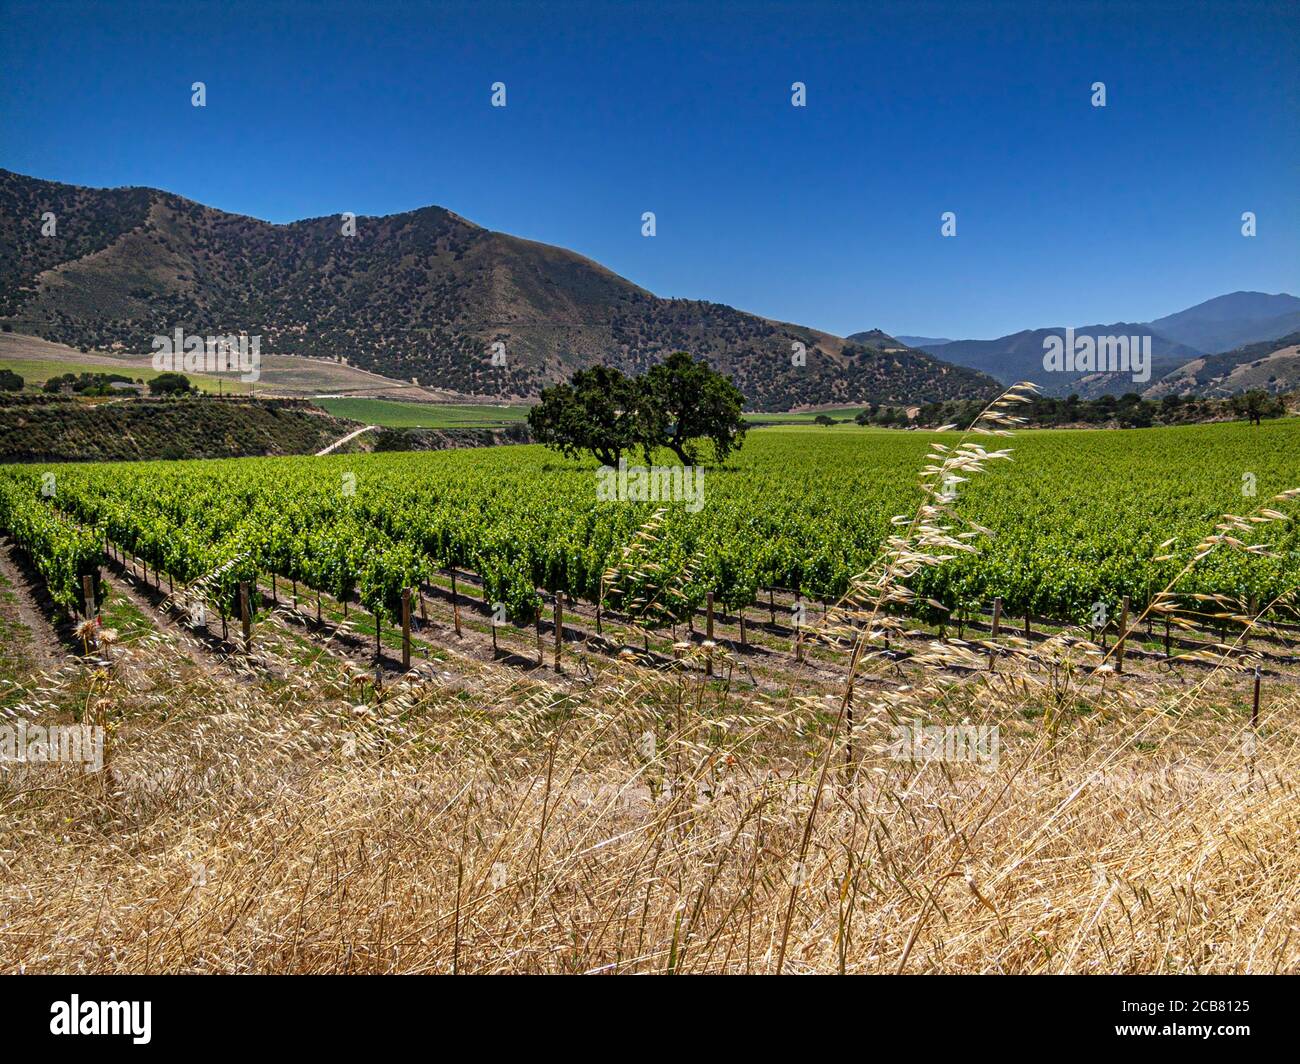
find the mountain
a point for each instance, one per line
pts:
(1270, 365)
(1228, 322)
(1179, 345)
(881, 340)
(421, 295)
(1019, 357)
(924, 341)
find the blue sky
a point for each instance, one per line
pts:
(827, 215)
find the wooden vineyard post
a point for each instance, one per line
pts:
(559, 627)
(742, 626)
(1254, 726)
(88, 592)
(1167, 647)
(798, 638)
(455, 605)
(406, 629)
(540, 661)
(1123, 633)
(994, 629)
(1028, 630)
(771, 605)
(244, 615)
(708, 634)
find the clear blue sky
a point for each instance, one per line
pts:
(828, 216)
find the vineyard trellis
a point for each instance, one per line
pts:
(1085, 518)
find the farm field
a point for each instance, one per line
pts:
(803, 417)
(36, 372)
(396, 414)
(1076, 519)
(37, 360)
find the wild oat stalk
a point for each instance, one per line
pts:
(928, 538)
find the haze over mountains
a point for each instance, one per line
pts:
(1230, 321)
(1235, 329)
(420, 295)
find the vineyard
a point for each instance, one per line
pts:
(1075, 519)
(636, 811)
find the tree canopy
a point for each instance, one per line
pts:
(675, 405)
(171, 384)
(686, 401)
(597, 411)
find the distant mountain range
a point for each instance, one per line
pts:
(1227, 322)
(923, 341)
(421, 295)
(1189, 349)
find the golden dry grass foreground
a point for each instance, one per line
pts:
(279, 814)
(474, 821)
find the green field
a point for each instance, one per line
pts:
(804, 417)
(36, 371)
(1076, 518)
(395, 414)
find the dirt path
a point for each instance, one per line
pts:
(28, 606)
(203, 647)
(346, 439)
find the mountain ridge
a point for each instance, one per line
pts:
(1217, 326)
(420, 295)
(1233, 320)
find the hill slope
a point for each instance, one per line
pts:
(1228, 322)
(50, 429)
(1270, 365)
(416, 295)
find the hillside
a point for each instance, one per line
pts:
(1271, 365)
(1230, 321)
(37, 360)
(54, 429)
(420, 295)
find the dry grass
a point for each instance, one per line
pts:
(289, 818)
(480, 823)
